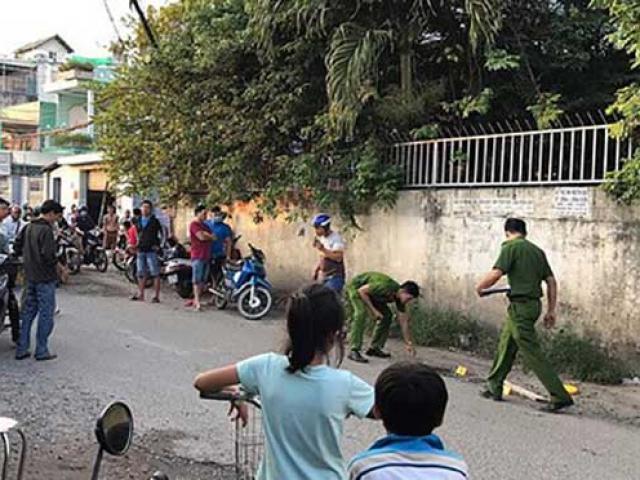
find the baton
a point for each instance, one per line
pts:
(495, 290)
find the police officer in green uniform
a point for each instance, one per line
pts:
(526, 267)
(368, 295)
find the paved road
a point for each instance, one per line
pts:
(147, 355)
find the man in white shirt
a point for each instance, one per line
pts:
(330, 270)
(13, 223)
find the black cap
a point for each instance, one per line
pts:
(51, 206)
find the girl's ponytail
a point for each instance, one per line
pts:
(314, 318)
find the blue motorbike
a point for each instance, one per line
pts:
(245, 284)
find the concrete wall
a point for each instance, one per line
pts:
(69, 184)
(446, 240)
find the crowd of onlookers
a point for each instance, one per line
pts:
(32, 233)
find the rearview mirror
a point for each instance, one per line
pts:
(114, 429)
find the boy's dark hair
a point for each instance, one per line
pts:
(4, 203)
(411, 399)
(51, 206)
(314, 318)
(216, 209)
(515, 225)
(411, 288)
(126, 224)
(199, 208)
(147, 202)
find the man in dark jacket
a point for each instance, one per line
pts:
(149, 240)
(37, 245)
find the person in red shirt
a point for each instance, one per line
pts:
(132, 236)
(201, 239)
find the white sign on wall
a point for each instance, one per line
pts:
(572, 202)
(5, 164)
(493, 207)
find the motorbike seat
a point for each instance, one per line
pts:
(234, 266)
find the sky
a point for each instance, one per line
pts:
(84, 24)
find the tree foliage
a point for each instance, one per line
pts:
(291, 103)
(625, 184)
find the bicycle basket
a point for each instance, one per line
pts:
(248, 440)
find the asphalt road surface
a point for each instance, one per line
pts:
(147, 355)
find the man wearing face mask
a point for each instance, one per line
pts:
(222, 243)
(84, 225)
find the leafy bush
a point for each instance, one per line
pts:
(624, 185)
(76, 65)
(434, 327)
(583, 357)
(546, 110)
(73, 140)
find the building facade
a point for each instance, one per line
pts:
(46, 133)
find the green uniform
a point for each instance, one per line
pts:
(382, 290)
(526, 266)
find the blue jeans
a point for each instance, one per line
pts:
(40, 300)
(335, 283)
(147, 264)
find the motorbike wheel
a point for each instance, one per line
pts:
(119, 260)
(257, 307)
(131, 272)
(220, 302)
(74, 262)
(184, 289)
(101, 261)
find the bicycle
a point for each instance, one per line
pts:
(249, 438)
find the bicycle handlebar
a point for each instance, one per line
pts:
(226, 396)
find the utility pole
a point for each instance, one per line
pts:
(145, 23)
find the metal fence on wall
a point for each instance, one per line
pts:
(563, 156)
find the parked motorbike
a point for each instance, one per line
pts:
(119, 255)
(172, 255)
(68, 253)
(94, 252)
(245, 284)
(176, 269)
(9, 308)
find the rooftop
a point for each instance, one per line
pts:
(33, 45)
(15, 63)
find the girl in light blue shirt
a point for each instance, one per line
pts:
(304, 400)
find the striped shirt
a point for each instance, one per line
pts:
(396, 457)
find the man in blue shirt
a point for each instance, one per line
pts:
(221, 246)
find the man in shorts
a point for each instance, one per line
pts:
(149, 238)
(201, 239)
